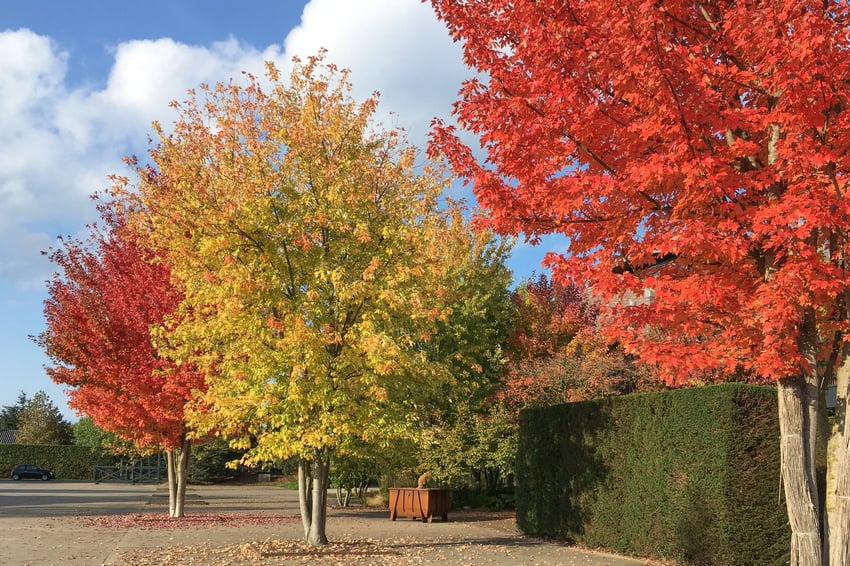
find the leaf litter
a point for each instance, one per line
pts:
(163, 521)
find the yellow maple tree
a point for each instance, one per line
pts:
(313, 249)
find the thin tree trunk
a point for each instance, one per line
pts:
(172, 481)
(314, 502)
(797, 454)
(182, 473)
(304, 493)
(317, 535)
(837, 531)
(340, 500)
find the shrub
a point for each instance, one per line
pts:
(688, 475)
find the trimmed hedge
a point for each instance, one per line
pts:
(690, 475)
(67, 462)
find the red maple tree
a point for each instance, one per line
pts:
(109, 295)
(547, 315)
(696, 149)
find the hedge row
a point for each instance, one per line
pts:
(690, 475)
(66, 461)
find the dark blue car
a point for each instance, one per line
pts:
(24, 471)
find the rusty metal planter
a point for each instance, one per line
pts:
(419, 503)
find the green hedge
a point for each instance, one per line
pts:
(67, 462)
(690, 475)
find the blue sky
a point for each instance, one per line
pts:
(81, 81)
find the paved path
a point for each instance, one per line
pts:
(53, 523)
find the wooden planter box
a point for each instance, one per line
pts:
(419, 503)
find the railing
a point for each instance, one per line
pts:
(133, 474)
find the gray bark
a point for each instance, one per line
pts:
(318, 533)
(837, 532)
(797, 455)
(343, 495)
(177, 465)
(172, 481)
(304, 494)
(182, 478)
(313, 497)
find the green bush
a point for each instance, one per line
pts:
(688, 475)
(67, 462)
(477, 499)
(208, 462)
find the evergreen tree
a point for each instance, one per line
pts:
(40, 422)
(11, 413)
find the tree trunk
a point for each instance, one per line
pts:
(182, 469)
(177, 464)
(797, 456)
(304, 493)
(343, 495)
(317, 535)
(837, 531)
(313, 502)
(172, 481)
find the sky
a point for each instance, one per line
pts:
(81, 82)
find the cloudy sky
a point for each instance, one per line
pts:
(81, 81)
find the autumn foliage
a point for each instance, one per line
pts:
(546, 316)
(103, 305)
(317, 264)
(715, 132)
(556, 352)
(695, 149)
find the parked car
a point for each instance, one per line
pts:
(23, 471)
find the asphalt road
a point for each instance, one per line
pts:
(44, 523)
(36, 498)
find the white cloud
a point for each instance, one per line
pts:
(396, 47)
(58, 144)
(35, 163)
(146, 77)
(31, 70)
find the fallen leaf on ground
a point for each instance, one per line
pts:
(163, 521)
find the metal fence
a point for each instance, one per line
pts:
(138, 473)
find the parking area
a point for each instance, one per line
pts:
(34, 498)
(62, 523)
(47, 523)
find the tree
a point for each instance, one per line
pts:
(471, 337)
(41, 422)
(212, 461)
(102, 313)
(546, 316)
(471, 340)
(88, 434)
(696, 149)
(312, 250)
(10, 414)
(556, 353)
(101, 441)
(473, 445)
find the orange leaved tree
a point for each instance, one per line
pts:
(556, 354)
(104, 303)
(697, 149)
